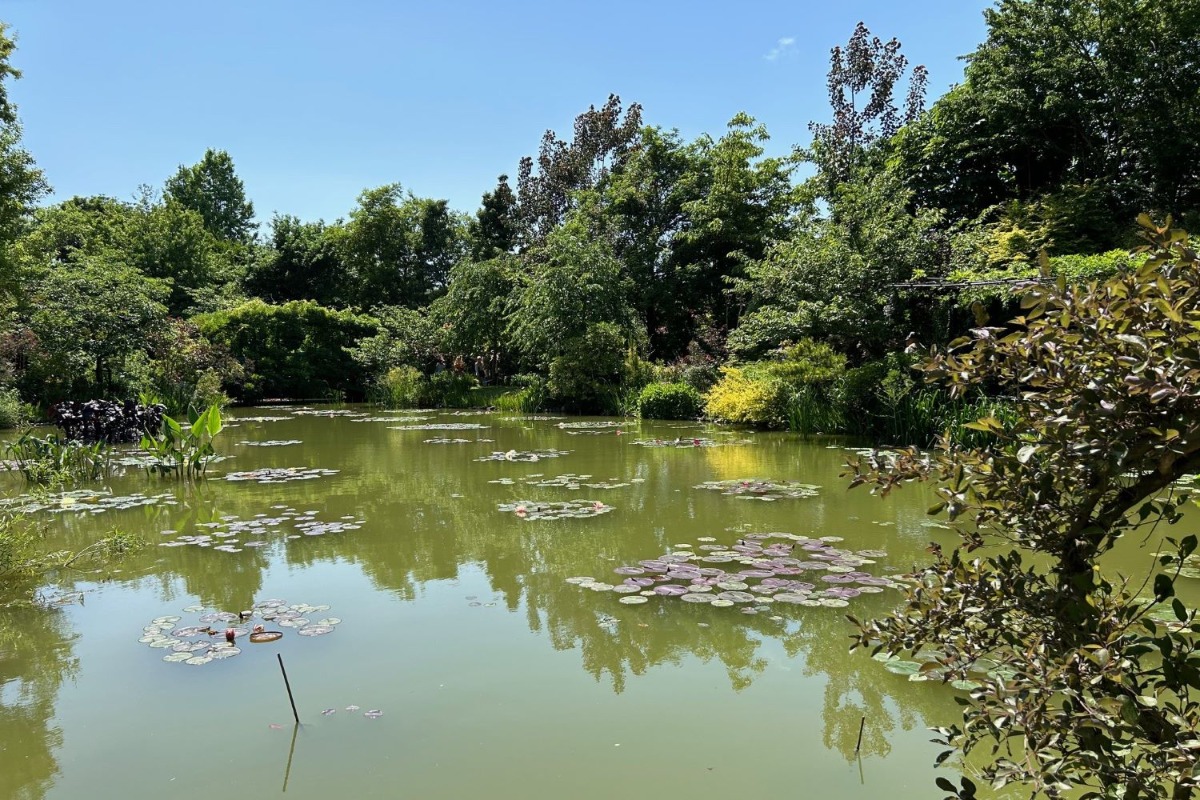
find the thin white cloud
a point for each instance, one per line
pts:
(782, 47)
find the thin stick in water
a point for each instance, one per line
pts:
(291, 699)
(861, 722)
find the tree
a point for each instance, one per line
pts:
(212, 189)
(862, 82)
(21, 182)
(570, 316)
(600, 142)
(473, 314)
(301, 262)
(1070, 96)
(1078, 686)
(495, 229)
(89, 318)
(400, 247)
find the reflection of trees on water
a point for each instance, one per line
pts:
(35, 656)
(427, 520)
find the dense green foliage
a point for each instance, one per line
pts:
(669, 401)
(1103, 432)
(292, 350)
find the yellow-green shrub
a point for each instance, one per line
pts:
(750, 395)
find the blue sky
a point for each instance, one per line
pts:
(316, 101)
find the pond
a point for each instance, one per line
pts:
(430, 552)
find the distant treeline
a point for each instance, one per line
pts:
(626, 255)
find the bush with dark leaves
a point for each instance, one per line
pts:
(106, 420)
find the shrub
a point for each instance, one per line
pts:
(750, 395)
(105, 420)
(449, 389)
(403, 387)
(296, 350)
(669, 401)
(530, 397)
(12, 410)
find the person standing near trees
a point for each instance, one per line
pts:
(480, 370)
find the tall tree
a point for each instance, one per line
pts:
(495, 229)
(21, 182)
(400, 247)
(601, 140)
(1070, 97)
(300, 262)
(862, 83)
(213, 190)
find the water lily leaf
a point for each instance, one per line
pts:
(632, 600)
(177, 657)
(315, 630)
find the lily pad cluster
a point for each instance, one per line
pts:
(320, 412)
(280, 474)
(524, 455)
(570, 509)
(81, 501)
(272, 443)
(568, 481)
(446, 440)
(391, 419)
(215, 634)
(232, 534)
(440, 426)
(688, 442)
(758, 489)
(798, 570)
(533, 418)
(595, 425)
(262, 419)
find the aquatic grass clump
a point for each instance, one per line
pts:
(760, 489)
(529, 510)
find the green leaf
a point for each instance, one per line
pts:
(1164, 587)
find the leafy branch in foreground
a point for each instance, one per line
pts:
(1083, 685)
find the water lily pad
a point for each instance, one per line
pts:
(760, 489)
(329, 621)
(297, 622)
(177, 657)
(374, 713)
(632, 600)
(315, 630)
(696, 597)
(226, 651)
(197, 661)
(265, 636)
(573, 509)
(718, 602)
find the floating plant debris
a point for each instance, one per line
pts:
(572, 509)
(272, 443)
(262, 419)
(757, 574)
(568, 481)
(231, 534)
(410, 418)
(440, 426)
(524, 455)
(758, 489)
(197, 645)
(444, 440)
(82, 501)
(280, 474)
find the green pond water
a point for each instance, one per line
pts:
(495, 676)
